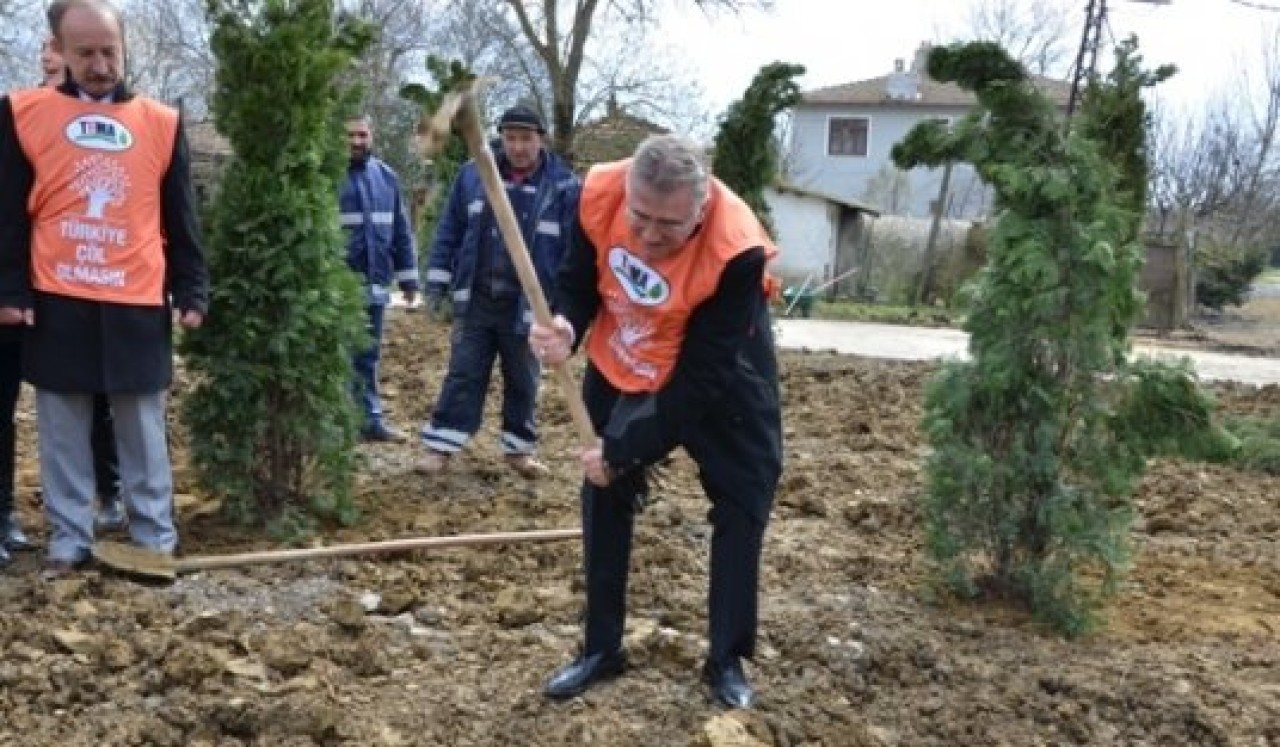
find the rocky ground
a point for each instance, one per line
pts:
(451, 647)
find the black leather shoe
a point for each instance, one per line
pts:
(111, 516)
(11, 535)
(574, 679)
(729, 684)
(380, 433)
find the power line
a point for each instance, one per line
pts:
(1256, 6)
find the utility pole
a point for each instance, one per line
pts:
(1095, 15)
(931, 245)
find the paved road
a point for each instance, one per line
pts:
(1265, 290)
(925, 343)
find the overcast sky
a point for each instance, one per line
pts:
(839, 41)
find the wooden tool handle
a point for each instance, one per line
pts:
(468, 122)
(208, 562)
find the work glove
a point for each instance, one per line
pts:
(437, 306)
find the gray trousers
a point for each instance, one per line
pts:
(66, 470)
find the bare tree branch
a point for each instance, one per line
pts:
(565, 50)
(1036, 33)
(1223, 168)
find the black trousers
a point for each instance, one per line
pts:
(724, 448)
(106, 467)
(10, 382)
(106, 464)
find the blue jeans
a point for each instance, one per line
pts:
(365, 385)
(486, 332)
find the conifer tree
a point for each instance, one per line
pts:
(1116, 118)
(271, 417)
(1039, 440)
(746, 157)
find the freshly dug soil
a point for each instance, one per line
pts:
(451, 648)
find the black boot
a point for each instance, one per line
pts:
(377, 431)
(111, 514)
(11, 535)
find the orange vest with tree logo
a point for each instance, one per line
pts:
(645, 305)
(95, 207)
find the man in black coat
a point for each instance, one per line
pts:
(666, 270)
(99, 257)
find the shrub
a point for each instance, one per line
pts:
(445, 165)
(1037, 443)
(1259, 443)
(1224, 274)
(746, 153)
(270, 415)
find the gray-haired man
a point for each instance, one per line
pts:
(667, 271)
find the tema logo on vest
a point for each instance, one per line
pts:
(642, 283)
(99, 132)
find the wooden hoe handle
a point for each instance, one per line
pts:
(208, 562)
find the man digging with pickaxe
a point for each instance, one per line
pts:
(666, 270)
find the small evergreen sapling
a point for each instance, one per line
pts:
(271, 418)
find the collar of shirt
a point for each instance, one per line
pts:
(110, 98)
(518, 176)
(117, 94)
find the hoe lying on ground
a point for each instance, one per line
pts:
(136, 561)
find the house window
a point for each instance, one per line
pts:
(847, 136)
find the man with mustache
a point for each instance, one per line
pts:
(470, 261)
(99, 257)
(111, 513)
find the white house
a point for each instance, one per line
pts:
(820, 237)
(841, 137)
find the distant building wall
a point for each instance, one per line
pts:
(803, 228)
(870, 178)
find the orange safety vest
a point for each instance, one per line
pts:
(645, 305)
(95, 204)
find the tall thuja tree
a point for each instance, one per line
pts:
(272, 422)
(1114, 116)
(1036, 442)
(746, 155)
(448, 75)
